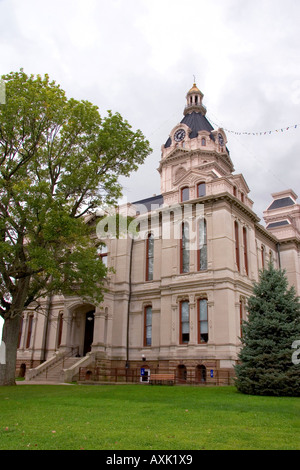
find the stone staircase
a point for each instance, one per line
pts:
(55, 373)
(61, 368)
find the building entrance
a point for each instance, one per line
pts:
(89, 331)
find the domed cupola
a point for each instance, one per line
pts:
(194, 116)
(194, 101)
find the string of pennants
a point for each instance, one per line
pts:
(283, 129)
(262, 133)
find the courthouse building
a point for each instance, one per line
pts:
(177, 294)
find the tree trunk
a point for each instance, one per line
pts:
(10, 337)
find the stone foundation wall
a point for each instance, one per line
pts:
(23, 365)
(191, 372)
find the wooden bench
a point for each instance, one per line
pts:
(160, 379)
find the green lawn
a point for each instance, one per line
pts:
(139, 417)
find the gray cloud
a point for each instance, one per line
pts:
(139, 58)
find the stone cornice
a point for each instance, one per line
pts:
(177, 153)
(225, 196)
(199, 172)
(289, 241)
(266, 233)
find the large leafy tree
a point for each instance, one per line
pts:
(273, 325)
(59, 160)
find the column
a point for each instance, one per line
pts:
(99, 330)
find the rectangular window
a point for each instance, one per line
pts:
(241, 318)
(202, 321)
(184, 249)
(149, 257)
(237, 245)
(148, 326)
(202, 250)
(201, 190)
(185, 194)
(245, 250)
(102, 252)
(184, 322)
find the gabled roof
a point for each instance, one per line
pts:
(240, 178)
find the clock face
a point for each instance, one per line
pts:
(179, 135)
(221, 140)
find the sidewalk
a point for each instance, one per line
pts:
(32, 382)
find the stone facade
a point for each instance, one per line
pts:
(174, 303)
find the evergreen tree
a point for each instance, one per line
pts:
(273, 325)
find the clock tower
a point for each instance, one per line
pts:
(194, 153)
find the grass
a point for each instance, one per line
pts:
(139, 417)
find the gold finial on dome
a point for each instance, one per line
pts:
(194, 89)
(194, 101)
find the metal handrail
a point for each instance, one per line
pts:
(70, 354)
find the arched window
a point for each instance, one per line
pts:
(22, 370)
(149, 257)
(202, 321)
(201, 190)
(237, 245)
(105, 325)
(185, 194)
(245, 250)
(29, 331)
(182, 373)
(184, 330)
(184, 249)
(201, 374)
(20, 332)
(241, 317)
(263, 258)
(203, 142)
(202, 248)
(148, 326)
(59, 329)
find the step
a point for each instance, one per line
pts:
(54, 372)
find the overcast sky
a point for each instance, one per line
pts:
(139, 57)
